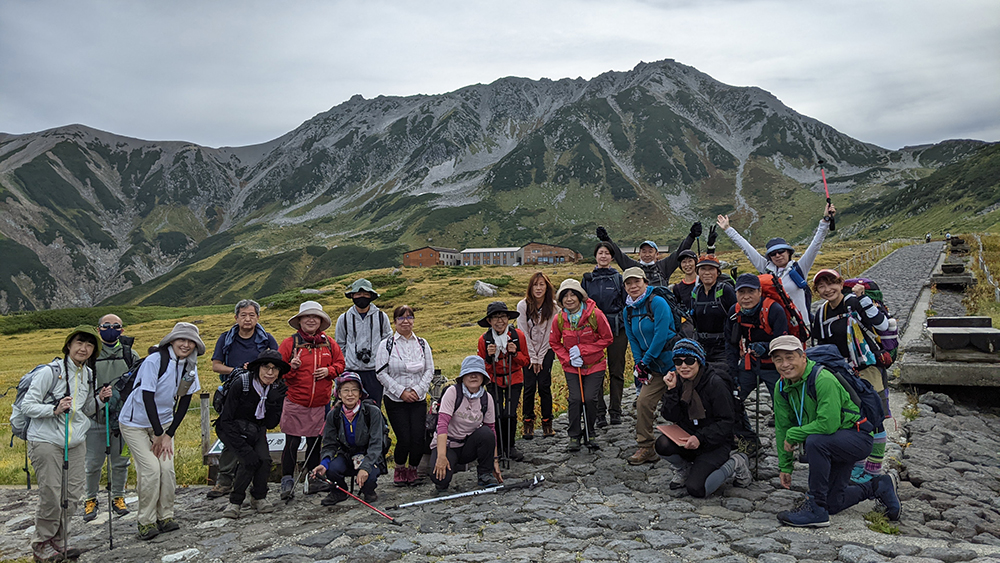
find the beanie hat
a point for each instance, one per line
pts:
(688, 347)
(187, 331)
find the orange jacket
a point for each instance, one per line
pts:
(303, 389)
(592, 343)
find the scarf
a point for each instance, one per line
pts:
(501, 341)
(574, 318)
(262, 391)
(469, 395)
(753, 311)
(690, 396)
(318, 338)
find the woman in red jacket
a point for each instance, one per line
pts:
(505, 352)
(580, 334)
(316, 361)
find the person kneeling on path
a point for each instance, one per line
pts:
(352, 442)
(831, 430)
(580, 334)
(465, 428)
(505, 353)
(649, 324)
(253, 405)
(699, 402)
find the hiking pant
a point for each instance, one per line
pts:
(155, 478)
(342, 466)
(831, 459)
(505, 399)
(407, 421)
(706, 472)
(478, 447)
(289, 455)
(47, 459)
(245, 475)
(372, 386)
(645, 409)
(616, 373)
(591, 389)
(118, 470)
(749, 380)
(228, 462)
(543, 382)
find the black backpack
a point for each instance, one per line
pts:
(338, 408)
(683, 324)
(219, 399)
(125, 384)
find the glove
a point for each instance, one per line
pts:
(759, 349)
(712, 235)
(574, 352)
(602, 234)
(642, 372)
(696, 229)
(576, 362)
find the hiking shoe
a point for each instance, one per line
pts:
(261, 505)
(574, 444)
(219, 491)
(809, 515)
(592, 445)
(514, 454)
(287, 484)
(602, 421)
(412, 476)
(528, 430)
(167, 525)
(643, 455)
(89, 509)
(232, 511)
(615, 420)
(547, 428)
(370, 497)
(72, 553)
(741, 475)
(885, 493)
(313, 486)
(680, 477)
(399, 476)
(148, 531)
(46, 551)
(487, 480)
(119, 506)
(336, 496)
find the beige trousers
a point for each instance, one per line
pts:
(645, 410)
(47, 459)
(155, 478)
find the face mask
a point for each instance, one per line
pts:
(362, 302)
(110, 334)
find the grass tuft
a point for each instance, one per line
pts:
(878, 522)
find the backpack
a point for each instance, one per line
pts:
(125, 384)
(18, 421)
(862, 392)
(219, 398)
(488, 339)
(390, 343)
(431, 422)
(683, 325)
(800, 281)
(366, 408)
(260, 339)
(770, 287)
(888, 338)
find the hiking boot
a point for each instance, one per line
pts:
(514, 454)
(399, 476)
(741, 474)
(885, 493)
(616, 419)
(46, 551)
(547, 428)
(574, 445)
(232, 511)
(643, 455)
(336, 496)
(287, 484)
(167, 525)
(370, 497)
(487, 480)
(261, 505)
(809, 515)
(72, 553)
(148, 531)
(119, 506)
(680, 477)
(412, 476)
(89, 509)
(219, 491)
(313, 486)
(859, 476)
(602, 421)
(528, 431)
(592, 445)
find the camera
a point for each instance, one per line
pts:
(364, 355)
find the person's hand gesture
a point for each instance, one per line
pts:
(361, 478)
(321, 373)
(722, 221)
(789, 447)
(441, 467)
(830, 211)
(105, 393)
(64, 405)
(696, 229)
(670, 379)
(602, 234)
(296, 359)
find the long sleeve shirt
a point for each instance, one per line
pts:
(410, 365)
(54, 381)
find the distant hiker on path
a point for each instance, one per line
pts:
(235, 348)
(657, 271)
(359, 331)
(505, 354)
(536, 312)
(607, 288)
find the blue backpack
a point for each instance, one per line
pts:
(862, 392)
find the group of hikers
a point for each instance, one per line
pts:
(700, 346)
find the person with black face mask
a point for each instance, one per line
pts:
(116, 357)
(359, 331)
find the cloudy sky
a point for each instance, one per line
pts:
(891, 72)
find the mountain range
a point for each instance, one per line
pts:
(92, 217)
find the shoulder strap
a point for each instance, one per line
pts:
(458, 398)
(765, 311)
(484, 402)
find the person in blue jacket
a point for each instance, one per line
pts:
(649, 325)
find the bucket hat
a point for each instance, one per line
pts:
(494, 308)
(348, 376)
(184, 330)
(311, 308)
(473, 364)
(88, 330)
(777, 244)
(571, 284)
(361, 285)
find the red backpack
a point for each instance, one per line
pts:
(770, 287)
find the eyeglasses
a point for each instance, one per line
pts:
(405, 319)
(115, 326)
(269, 368)
(685, 361)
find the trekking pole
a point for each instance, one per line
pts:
(107, 453)
(526, 484)
(27, 473)
(756, 418)
(299, 470)
(352, 495)
(833, 226)
(65, 485)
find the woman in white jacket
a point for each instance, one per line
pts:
(59, 403)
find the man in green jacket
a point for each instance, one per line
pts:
(827, 428)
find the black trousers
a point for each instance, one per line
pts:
(591, 389)
(477, 447)
(616, 373)
(703, 462)
(505, 399)
(407, 421)
(542, 381)
(291, 452)
(245, 475)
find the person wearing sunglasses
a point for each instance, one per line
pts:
(779, 259)
(699, 402)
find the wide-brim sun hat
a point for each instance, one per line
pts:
(270, 357)
(361, 285)
(571, 284)
(89, 331)
(633, 272)
(184, 330)
(473, 364)
(311, 308)
(494, 308)
(347, 377)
